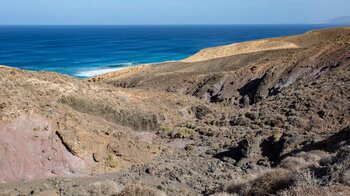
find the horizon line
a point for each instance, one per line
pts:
(165, 24)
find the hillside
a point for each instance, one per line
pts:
(342, 20)
(266, 117)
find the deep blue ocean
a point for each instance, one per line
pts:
(84, 51)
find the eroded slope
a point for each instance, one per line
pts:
(54, 125)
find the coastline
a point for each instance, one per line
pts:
(210, 53)
(96, 48)
(182, 127)
(243, 48)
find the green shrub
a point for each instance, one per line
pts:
(111, 161)
(184, 132)
(166, 129)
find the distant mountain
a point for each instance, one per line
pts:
(343, 20)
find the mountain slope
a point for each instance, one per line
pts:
(342, 20)
(257, 119)
(235, 78)
(66, 126)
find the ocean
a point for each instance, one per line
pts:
(85, 51)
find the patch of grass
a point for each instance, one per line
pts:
(111, 161)
(184, 132)
(166, 129)
(277, 134)
(202, 130)
(106, 187)
(337, 189)
(138, 190)
(137, 120)
(266, 184)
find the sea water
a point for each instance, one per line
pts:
(85, 51)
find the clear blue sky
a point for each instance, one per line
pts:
(170, 11)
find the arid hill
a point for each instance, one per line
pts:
(266, 117)
(236, 76)
(341, 20)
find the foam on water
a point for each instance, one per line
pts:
(95, 72)
(86, 51)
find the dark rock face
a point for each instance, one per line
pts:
(250, 91)
(210, 88)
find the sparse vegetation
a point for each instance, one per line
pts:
(265, 184)
(137, 120)
(184, 132)
(138, 190)
(277, 134)
(112, 161)
(283, 130)
(166, 129)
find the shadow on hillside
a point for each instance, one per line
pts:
(331, 144)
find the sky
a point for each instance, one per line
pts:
(152, 12)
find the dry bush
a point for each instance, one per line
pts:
(267, 183)
(305, 178)
(138, 190)
(304, 160)
(293, 163)
(106, 187)
(225, 194)
(313, 156)
(8, 192)
(341, 169)
(316, 190)
(101, 188)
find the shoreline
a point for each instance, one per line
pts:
(297, 41)
(246, 47)
(99, 56)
